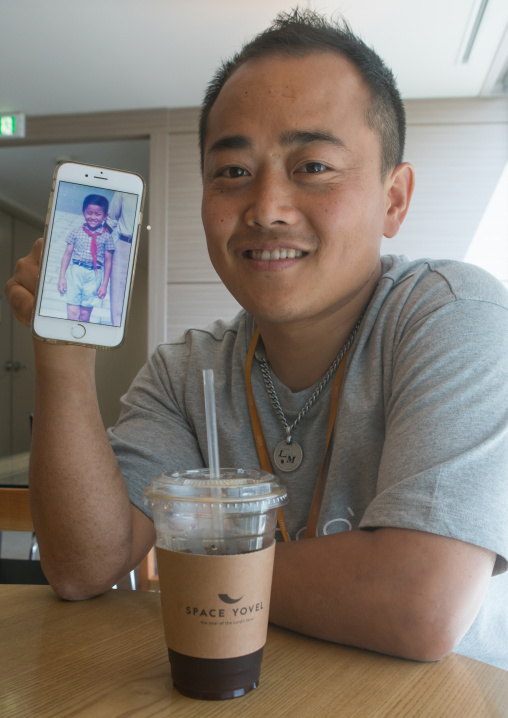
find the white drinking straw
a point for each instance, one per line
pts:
(213, 450)
(211, 424)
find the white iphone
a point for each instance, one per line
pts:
(90, 246)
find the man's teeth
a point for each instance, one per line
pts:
(275, 254)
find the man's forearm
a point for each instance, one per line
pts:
(395, 591)
(80, 506)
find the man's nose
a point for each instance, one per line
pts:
(271, 201)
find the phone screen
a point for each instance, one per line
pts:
(90, 245)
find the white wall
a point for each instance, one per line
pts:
(459, 149)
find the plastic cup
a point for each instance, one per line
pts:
(215, 548)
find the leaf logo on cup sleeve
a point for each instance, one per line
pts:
(227, 599)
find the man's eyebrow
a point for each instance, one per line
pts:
(306, 137)
(231, 142)
(293, 137)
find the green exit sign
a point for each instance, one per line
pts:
(12, 126)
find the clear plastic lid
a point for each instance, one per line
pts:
(233, 486)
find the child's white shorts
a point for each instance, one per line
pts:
(82, 286)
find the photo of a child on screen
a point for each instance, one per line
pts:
(86, 264)
(83, 281)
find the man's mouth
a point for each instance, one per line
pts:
(272, 256)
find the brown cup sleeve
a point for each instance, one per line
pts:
(215, 606)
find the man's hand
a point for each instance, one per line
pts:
(20, 289)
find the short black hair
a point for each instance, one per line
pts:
(302, 32)
(97, 199)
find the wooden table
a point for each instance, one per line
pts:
(106, 658)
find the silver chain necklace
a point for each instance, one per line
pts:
(288, 454)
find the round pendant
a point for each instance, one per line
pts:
(288, 457)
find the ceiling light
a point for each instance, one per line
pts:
(474, 31)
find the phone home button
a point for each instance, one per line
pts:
(78, 331)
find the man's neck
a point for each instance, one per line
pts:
(300, 353)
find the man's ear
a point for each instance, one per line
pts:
(399, 190)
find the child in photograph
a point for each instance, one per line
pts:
(86, 264)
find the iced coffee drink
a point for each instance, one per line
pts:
(215, 549)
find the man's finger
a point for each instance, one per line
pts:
(20, 300)
(36, 251)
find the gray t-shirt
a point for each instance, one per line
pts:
(421, 435)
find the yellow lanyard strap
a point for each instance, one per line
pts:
(262, 450)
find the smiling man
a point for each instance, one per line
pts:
(291, 167)
(395, 538)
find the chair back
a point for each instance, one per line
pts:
(15, 510)
(15, 516)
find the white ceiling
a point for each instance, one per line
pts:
(65, 56)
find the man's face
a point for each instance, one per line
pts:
(294, 207)
(94, 215)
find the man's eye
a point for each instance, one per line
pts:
(233, 172)
(313, 168)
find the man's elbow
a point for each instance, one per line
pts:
(72, 592)
(76, 587)
(430, 637)
(427, 648)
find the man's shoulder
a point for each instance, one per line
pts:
(441, 281)
(219, 336)
(219, 346)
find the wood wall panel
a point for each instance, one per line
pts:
(456, 111)
(188, 257)
(457, 169)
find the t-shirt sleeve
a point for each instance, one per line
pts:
(444, 465)
(109, 244)
(71, 237)
(153, 434)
